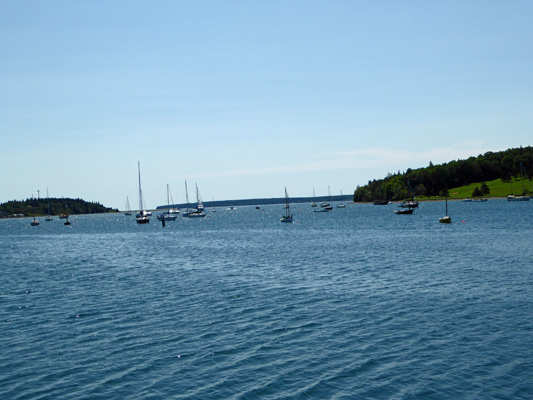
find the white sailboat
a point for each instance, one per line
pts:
(170, 214)
(287, 217)
(512, 196)
(447, 219)
(327, 204)
(142, 216)
(197, 212)
(313, 204)
(128, 209)
(341, 204)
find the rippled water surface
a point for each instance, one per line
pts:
(359, 303)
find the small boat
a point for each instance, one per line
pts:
(67, 222)
(381, 202)
(142, 216)
(404, 211)
(35, 222)
(447, 219)
(408, 204)
(479, 200)
(287, 217)
(517, 198)
(467, 200)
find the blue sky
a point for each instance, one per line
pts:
(246, 98)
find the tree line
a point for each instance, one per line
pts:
(58, 206)
(434, 180)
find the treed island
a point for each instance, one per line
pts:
(39, 207)
(493, 174)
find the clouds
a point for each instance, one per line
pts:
(361, 159)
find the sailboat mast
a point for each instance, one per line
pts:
(186, 195)
(48, 200)
(287, 209)
(140, 191)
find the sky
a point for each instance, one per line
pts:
(246, 98)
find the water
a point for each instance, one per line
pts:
(359, 303)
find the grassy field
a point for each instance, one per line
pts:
(498, 188)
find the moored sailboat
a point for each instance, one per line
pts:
(170, 214)
(142, 216)
(341, 204)
(446, 219)
(128, 208)
(287, 217)
(327, 204)
(48, 216)
(199, 211)
(313, 204)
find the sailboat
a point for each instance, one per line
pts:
(412, 203)
(512, 197)
(48, 216)
(35, 222)
(341, 204)
(67, 222)
(287, 217)
(128, 209)
(197, 212)
(447, 219)
(327, 204)
(142, 216)
(313, 204)
(169, 214)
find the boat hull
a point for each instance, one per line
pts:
(518, 198)
(404, 211)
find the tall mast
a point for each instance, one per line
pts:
(140, 191)
(287, 210)
(186, 195)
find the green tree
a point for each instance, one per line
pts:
(484, 189)
(477, 192)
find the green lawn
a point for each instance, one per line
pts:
(497, 188)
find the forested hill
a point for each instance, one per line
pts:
(31, 207)
(435, 179)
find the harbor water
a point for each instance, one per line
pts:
(358, 303)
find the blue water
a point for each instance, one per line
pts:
(359, 303)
